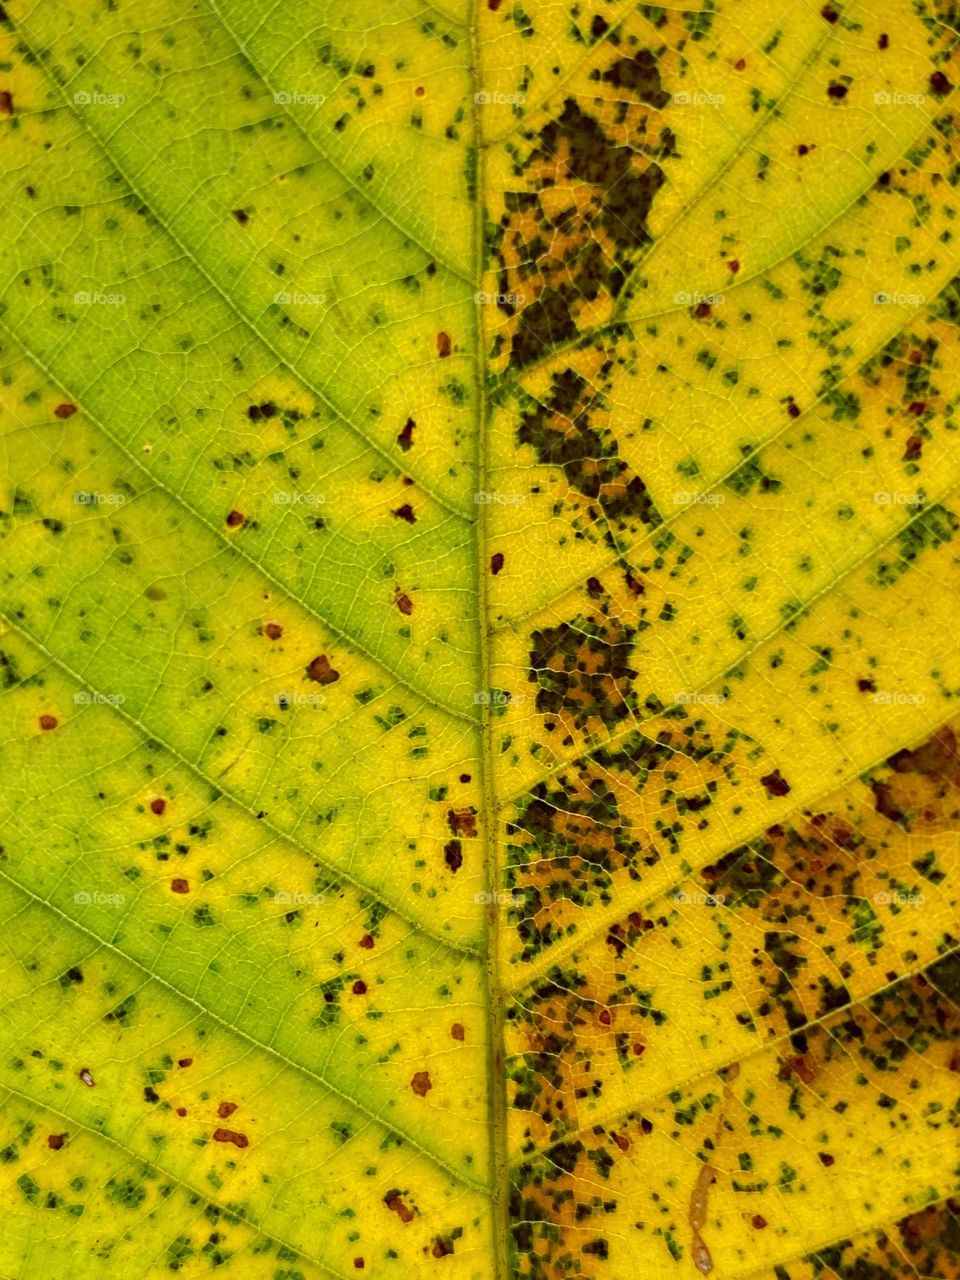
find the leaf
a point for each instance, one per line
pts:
(479, 775)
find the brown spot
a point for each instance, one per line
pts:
(405, 605)
(235, 518)
(6, 102)
(793, 409)
(321, 671)
(55, 1141)
(226, 1109)
(463, 822)
(181, 1111)
(740, 64)
(359, 1263)
(406, 513)
(622, 1142)
(800, 1066)
(457, 1031)
(421, 1084)
(829, 14)
(733, 265)
(48, 722)
(229, 1135)
(419, 91)
(185, 1062)
(493, 5)
(241, 216)
(86, 1077)
(914, 449)
(405, 438)
(940, 84)
(496, 563)
(359, 987)
(180, 885)
(366, 942)
(396, 1204)
(758, 1221)
(441, 1249)
(273, 631)
(158, 805)
(883, 41)
(865, 685)
(837, 91)
(444, 345)
(703, 310)
(776, 784)
(64, 411)
(698, 1218)
(453, 855)
(825, 1159)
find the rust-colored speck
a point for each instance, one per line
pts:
(359, 988)
(179, 885)
(185, 1062)
(273, 631)
(366, 942)
(6, 102)
(405, 605)
(226, 1109)
(48, 722)
(229, 1135)
(457, 1031)
(496, 563)
(64, 411)
(405, 438)
(421, 1084)
(406, 512)
(235, 518)
(396, 1204)
(55, 1141)
(321, 670)
(444, 345)
(158, 805)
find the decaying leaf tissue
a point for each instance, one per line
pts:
(479, 615)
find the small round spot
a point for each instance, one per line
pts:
(64, 411)
(48, 722)
(179, 886)
(235, 518)
(158, 805)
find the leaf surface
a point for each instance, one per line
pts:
(479, 771)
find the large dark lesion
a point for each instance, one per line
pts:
(566, 430)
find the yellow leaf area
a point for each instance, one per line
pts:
(479, 510)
